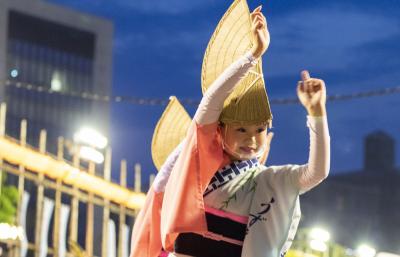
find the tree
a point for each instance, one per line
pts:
(8, 202)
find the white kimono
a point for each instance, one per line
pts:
(267, 198)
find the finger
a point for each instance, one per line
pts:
(265, 20)
(258, 25)
(300, 86)
(306, 88)
(305, 75)
(254, 22)
(258, 9)
(311, 84)
(258, 15)
(257, 18)
(316, 86)
(260, 21)
(320, 82)
(255, 12)
(310, 89)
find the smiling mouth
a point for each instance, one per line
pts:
(247, 149)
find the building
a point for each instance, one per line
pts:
(48, 47)
(361, 206)
(51, 56)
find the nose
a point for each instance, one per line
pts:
(251, 139)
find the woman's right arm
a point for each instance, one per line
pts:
(212, 102)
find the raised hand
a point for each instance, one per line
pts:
(312, 94)
(260, 32)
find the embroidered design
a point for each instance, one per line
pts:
(228, 173)
(266, 207)
(241, 183)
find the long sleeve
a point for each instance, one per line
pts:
(165, 170)
(146, 239)
(201, 155)
(212, 103)
(319, 155)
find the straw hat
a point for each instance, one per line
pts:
(248, 103)
(170, 131)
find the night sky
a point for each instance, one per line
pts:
(352, 45)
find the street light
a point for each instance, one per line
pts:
(87, 141)
(318, 239)
(385, 254)
(90, 137)
(317, 245)
(365, 250)
(9, 232)
(91, 154)
(320, 234)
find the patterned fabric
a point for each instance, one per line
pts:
(270, 198)
(230, 172)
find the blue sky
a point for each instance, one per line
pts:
(352, 45)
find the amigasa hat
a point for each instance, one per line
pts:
(170, 131)
(248, 103)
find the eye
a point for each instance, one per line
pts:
(260, 130)
(241, 130)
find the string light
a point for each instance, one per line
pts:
(191, 102)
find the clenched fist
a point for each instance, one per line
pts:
(312, 94)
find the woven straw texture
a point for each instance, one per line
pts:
(169, 132)
(248, 104)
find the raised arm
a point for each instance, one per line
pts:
(212, 103)
(312, 95)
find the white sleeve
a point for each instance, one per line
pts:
(165, 171)
(212, 102)
(319, 156)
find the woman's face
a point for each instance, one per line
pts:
(244, 142)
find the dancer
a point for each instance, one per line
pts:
(212, 197)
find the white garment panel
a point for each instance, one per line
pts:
(112, 240)
(48, 207)
(62, 239)
(126, 242)
(274, 212)
(22, 221)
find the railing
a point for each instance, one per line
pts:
(63, 190)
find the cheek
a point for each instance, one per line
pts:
(261, 138)
(231, 138)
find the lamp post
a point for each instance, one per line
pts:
(88, 142)
(365, 250)
(318, 240)
(9, 237)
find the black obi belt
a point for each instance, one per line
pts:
(225, 238)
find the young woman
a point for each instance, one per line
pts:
(213, 197)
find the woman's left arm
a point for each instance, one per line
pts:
(312, 95)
